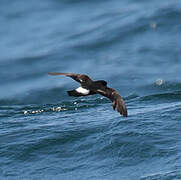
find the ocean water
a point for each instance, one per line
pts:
(134, 46)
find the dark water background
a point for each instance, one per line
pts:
(134, 45)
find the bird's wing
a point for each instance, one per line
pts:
(117, 100)
(77, 77)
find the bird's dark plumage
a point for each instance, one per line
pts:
(89, 87)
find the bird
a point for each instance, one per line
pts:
(90, 87)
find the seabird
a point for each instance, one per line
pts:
(89, 87)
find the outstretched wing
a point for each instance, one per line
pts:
(117, 100)
(77, 77)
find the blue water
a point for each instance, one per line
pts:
(134, 46)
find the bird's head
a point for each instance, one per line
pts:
(85, 79)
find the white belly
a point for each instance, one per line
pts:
(82, 91)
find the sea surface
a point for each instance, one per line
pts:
(134, 45)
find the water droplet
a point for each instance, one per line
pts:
(25, 112)
(153, 25)
(159, 82)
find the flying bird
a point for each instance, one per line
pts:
(90, 87)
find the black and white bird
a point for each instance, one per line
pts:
(89, 87)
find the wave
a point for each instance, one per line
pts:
(163, 175)
(136, 104)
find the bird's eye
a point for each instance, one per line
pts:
(84, 80)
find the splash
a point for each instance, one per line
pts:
(54, 109)
(159, 82)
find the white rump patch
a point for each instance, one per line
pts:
(82, 91)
